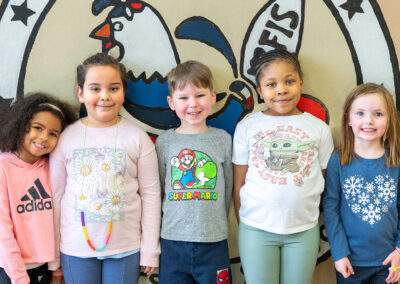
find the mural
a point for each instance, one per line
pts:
(150, 38)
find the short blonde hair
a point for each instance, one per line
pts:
(390, 139)
(189, 72)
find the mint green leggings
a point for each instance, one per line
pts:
(272, 258)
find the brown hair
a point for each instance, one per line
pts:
(191, 71)
(100, 59)
(390, 139)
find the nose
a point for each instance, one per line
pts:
(105, 95)
(44, 135)
(192, 101)
(368, 118)
(281, 89)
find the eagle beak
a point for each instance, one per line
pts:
(104, 31)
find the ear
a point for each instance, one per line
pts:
(79, 92)
(301, 83)
(258, 89)
(214, 97)
(170, 103)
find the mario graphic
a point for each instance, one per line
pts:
(193, 169)
(186, 163)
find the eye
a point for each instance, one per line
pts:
(360, 113)
(182, 98)
(37, 127)
(118, 26)
(379, 114)
(274, 145)
(271, 85)
(114, 89)
(95, 89)
(287, 145)
(200, 95)
(54, 134)
(290, 82)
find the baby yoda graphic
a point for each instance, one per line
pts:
(282, 154)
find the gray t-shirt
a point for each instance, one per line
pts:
(196, 183)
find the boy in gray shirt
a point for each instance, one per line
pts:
(196, 180)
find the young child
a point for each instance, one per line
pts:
(361, 203)
(279, 155)
(196, 175)
(106, 187)
(29, 132)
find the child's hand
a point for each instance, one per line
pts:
(394, 260)
(58, 277)
(344, 267)
(149, 270)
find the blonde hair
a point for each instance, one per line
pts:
(189, 72)
(390, 139)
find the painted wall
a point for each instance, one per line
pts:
(340, 43)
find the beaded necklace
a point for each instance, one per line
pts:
(83, 197)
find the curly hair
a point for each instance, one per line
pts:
(16, 119)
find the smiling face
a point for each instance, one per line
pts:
(192, 105)
(41, 138)
(103, 95)
(280, 88)
(368, 119)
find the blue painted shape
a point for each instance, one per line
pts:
(205, 31)
(152, 95)
(227, 120)
(117, 12)
(101, 4)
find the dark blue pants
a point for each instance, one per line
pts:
(365, 275)
(194, 262)
(39, 275)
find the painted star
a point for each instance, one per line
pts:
(352, 7)
(22, 13)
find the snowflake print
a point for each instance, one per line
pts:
(370, 187)
(379, 179)
(353, 185)
(371, 214)
(356, 208)
(370, 200)
(363, 198)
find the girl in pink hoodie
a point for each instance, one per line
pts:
(29, 132)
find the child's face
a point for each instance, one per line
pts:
(192, 105)
(42, 137)
(280, 88)
(368, 118)
(103, 95)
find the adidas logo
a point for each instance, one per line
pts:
(37, 202)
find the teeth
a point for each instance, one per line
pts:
(39, 145)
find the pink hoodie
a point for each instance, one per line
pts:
(26, 219)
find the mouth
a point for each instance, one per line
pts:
(368, 130)
(193, 113)
(282, 101)
(39, 146)
(104, 106)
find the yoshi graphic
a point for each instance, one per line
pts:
(282, 154)
(193, 170)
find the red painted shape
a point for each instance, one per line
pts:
(104, 31)
(136, 5)
(108, 45)
(249, 101)
(313, 107)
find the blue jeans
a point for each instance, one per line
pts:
(39, 275)
(273, 258)
(194, 262)
(365, 275)
(78, 270)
